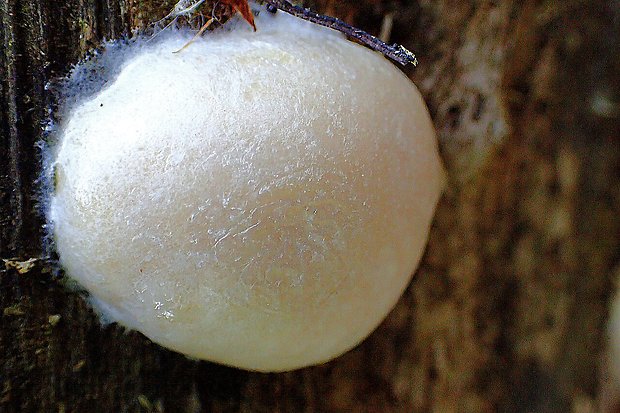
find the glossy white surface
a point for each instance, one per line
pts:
(259, 200)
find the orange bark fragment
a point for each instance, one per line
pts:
(243, 8)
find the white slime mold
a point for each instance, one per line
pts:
(259, 200)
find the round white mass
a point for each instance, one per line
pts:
(259, 200)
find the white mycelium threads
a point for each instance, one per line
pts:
(259, 200)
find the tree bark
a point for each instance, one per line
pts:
(507, 311)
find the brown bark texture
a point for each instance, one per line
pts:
(507, 311)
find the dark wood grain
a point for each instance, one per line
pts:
(508, 308)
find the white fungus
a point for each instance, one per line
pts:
(259, 200)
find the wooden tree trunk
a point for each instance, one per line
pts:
(508, 309)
